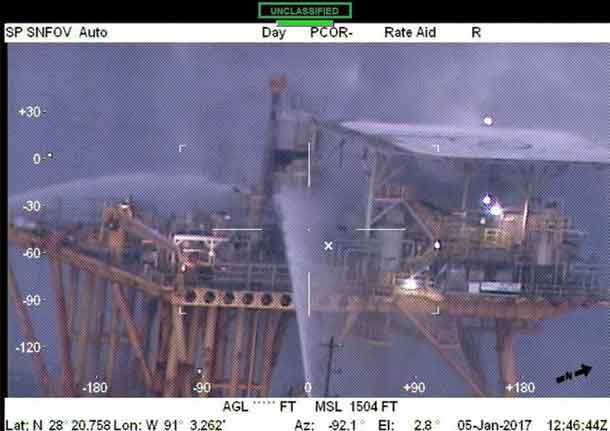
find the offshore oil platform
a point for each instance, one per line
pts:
(198, 305)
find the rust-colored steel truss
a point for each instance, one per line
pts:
(142, 338)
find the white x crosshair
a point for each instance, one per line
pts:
(328, 245)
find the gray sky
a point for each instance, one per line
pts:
(110, 105)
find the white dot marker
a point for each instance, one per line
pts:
(437, 245)
(488, 120)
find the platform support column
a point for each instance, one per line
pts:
(67, 376)
(132, 334)
(72, 297)
(85, 310)
(252, 357)
(238, 352)
(466, 189)
(193, 345)
(370, 196)
(526, 210)
(269, 346)
(176, 353)
(27, 330)
(506, 355)
(112, 343)
(209, 341)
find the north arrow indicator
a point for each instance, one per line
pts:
(584, 370)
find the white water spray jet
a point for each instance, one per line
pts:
(295, 235)
(168, 192)
(304, 226)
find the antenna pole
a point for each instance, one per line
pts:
(329, 366)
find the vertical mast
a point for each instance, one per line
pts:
(278, 84)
